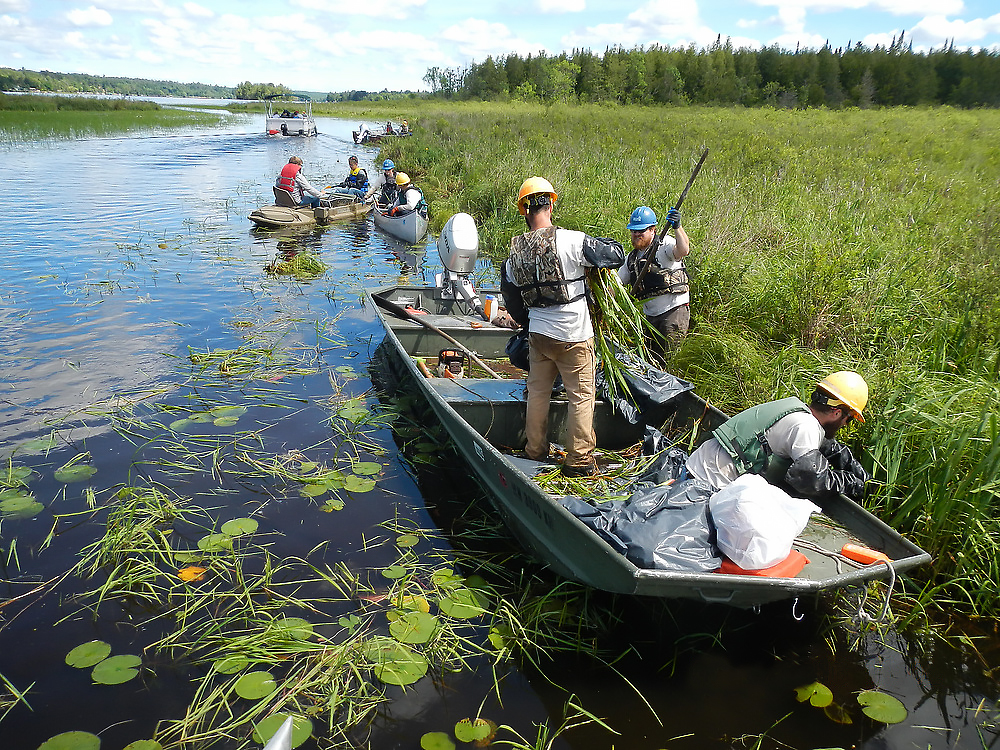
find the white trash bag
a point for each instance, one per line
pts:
(756, 522)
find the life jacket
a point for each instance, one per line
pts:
(535, 268)
(421, 206)
(389, 193)
(742, 436)
(287, 179)
(357, 179)
(657, 280)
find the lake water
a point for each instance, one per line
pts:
(143, 337)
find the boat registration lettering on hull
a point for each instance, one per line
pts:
(533, 505)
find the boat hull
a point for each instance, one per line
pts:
(482, 416)
(280, 217)
(410, 228)
(298, 126)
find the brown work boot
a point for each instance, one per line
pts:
(583, 470)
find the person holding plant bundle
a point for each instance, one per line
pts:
(663, 288)
(547, 267)
(387, 188)
(790, 443)
(356, 183)
(295, 183)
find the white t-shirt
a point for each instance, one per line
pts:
(792, 436)
(664, 259)
(571, 322)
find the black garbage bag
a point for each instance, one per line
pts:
(517, 349)
(662, 528)
(650, 391)
(668, 462)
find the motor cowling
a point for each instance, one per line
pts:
(458, 244)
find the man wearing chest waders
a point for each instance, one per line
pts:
(546, 265)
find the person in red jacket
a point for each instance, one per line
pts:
(292, 180)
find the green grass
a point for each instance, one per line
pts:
(821, 241)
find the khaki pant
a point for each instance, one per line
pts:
(575, 362)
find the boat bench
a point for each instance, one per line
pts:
(495, 409)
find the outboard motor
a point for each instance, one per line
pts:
(458, 246)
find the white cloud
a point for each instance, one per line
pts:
(477, 39)
(395, 9)
(562, 6)
(668, 22)
(934, 30)
(896, 7)
(198, 11)
(92, 16)
(13, 6)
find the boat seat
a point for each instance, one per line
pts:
(283, 198)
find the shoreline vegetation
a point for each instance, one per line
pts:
(821, 240)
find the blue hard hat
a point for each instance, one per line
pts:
(642, 218)
(387, 164)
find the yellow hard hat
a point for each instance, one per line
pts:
(534, 186)
(848, 389)
(402, 179)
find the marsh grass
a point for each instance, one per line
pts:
(821, 241)
(69, 123)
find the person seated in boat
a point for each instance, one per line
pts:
(388, 128)
(663, 288)
(547, 265)
(408, 198)
(404, 128)
(296, 114)
(385, 192)
(292, 180)
(791, 444)
(356, 183)
(285, 113)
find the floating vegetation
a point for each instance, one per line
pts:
(87, 655)
(72, 741)
(875, 704)
(301, 265)
(116, 669)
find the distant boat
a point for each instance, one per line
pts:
(289, 114)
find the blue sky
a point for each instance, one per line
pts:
(338, 45)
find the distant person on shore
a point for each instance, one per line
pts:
(388, 128)
(405, 128)
(409, 198)
(292, 180)
(664, 288)
(386, 190)
(356, 183)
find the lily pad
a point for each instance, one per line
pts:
(462, 604)
(225, 421)
(473, 730)
(395, 663)
(353, 414)
(88, 654)
(836, 713)
(228, 412)
(295, 627)
(314, 490)
(144, 745)
(394, 571)
(181, 425)
(72, 741)
(436, 741)
(307, 466)
(74, 473)
(232, 664)
(446, 578)
(201, 417)
(816, 693)
(881, 707)
(334, 503)
(366, 468)
(239, 526)
(16, 475)
(191, 573)
(350, 622)
(413, 627)
(354, 483)
(116, 669)
(188, 556)
(414, 603)
(344, 369)
(301, 728)
(38, 445)
(21, 505)
(255, 685)
(215, 543)
(407, 540)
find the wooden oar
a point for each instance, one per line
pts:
(405, 314)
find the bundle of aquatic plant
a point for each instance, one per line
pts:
(300, 265)
(619, 325)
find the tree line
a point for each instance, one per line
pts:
(852, 76)
(45, 80)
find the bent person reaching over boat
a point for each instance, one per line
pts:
(547, 265)
(790, 443)
(292, 182)
(356, 182)
(386, 190)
